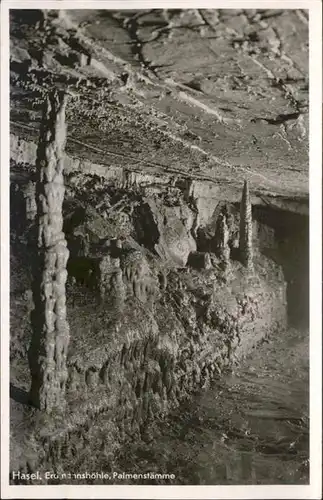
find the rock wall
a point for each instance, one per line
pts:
(153, 319)
(153, 357)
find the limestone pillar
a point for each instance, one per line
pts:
(29, 192)
(50, 329)
(245, 240)
(224, 249)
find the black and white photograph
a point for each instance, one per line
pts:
(159, 248)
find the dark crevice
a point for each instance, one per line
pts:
(19, 395)
(281, 118)
(291, 251)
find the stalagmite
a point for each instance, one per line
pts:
(245, 241)
(50, 336)
(224, 249)
(29, 192)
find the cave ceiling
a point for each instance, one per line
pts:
(220, 95)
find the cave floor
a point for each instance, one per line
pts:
(251, 427)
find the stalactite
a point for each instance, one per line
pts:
(245, 240)
(50, 336)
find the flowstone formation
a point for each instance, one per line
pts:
(50, 337)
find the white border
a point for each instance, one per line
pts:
(311, 491)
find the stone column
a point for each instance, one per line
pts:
(104, 276)
(30, 196)
(50, 329)
(224, 249)
(245, 240)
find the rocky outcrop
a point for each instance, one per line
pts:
(49, 343)
(163, 225)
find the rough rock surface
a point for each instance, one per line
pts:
(218, 95)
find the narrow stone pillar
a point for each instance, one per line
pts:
(224, 249)
(50, 329)
(245, 240)
(104, 276)
(29, 192)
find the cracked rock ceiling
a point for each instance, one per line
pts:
(220, 95)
